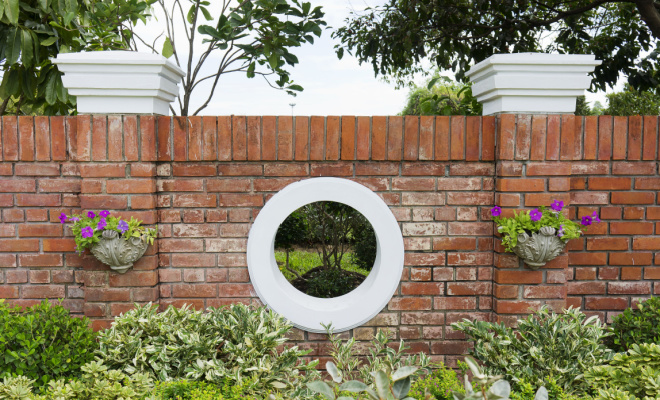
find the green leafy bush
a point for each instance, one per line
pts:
(439, 384)
(527, 391)
(96, 383)
(636, 325)
(546, 346)
(195, 390)
(43, 342)
(237, 343)
(635, 373)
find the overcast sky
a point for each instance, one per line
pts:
(332, 86)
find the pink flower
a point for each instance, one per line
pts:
(104, 213)
(91, 215)
(560, 233)
(595, 217)
(63, 218)
(122, 226)
(87, 232)
(586, 221)
(557, 205)
(101, 225)
(535, 215)
(496, 211)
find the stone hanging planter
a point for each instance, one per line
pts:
(538, 249)
(118, 253)
(531, 83)
(120, 82)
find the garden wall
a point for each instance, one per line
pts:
(204, 179)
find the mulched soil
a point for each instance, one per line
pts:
(355, 279)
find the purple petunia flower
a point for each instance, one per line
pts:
(586, 220)
(560, 233)
(535, 215)
(102, 224)
(122, 226)
(87, 232)
(63, 218)
(74, 219)
(91, 214)
(557, 205)
(595, 217)
(104, 213)
(496, 211)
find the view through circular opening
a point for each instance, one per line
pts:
(325, 249)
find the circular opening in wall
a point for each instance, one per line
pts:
(325, 249)
(346, 311)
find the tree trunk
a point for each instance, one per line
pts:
(650, 14)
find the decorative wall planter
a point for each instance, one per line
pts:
(118, 253)
(538, 249)
(120, 82)
(532, 83)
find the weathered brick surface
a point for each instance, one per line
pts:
(203, 180)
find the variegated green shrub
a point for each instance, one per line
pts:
(634, 374)
(238, 343)
(546, 345)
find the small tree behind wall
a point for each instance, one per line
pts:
(247, 36)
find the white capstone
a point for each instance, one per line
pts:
(531, 83)
(307, 312)
(120, 82)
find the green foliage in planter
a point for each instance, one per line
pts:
(527, 391)
(439, 384)
(96, 383)
(195, 390)
(43, 342)
(636, 325)
(633, 373)
(545, 346)
(236, 343)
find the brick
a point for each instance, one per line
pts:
(103, 170)
(103, 202)
(226, 245)
(559, 184)
(302, 138)
(515, 306)
(240, 169)
(583, 288)
(121, 186)
(348, 137)
(544, 292)
(647, 183)
(646, 243)
(180, 245)
(410, 303)
(194, 200)
(545, 199)
(635, 258)
(631, 274)
(134, 279)
(609, 183)
(426, 259)
(518, 277)
(421, 274)
(633, 198)
(590, 168)
(17, 185)
(60, 185)
(454, 243)
(241, 200)
(335, 169)
(629, 288)
(468, 288)
(43, 292)
(194, 230)
(40, 276)
(37, 169)
(40, 230)
(631, 228)
(547, 168)
(422, 289)
(521, 185)
(377, 168)
(607, 243)
(16, 245)
(180, 185)
(430, 199)
(633, 168)
(579, 198)
(470, 228)
(423, 169)
(505, 291)
(19, 276)
(194, 170)
(426, 138)
(7, 261)
(38, 200)
(228, 185)
(424, 229)
(587, 258)
(196, 290)
(40, 260)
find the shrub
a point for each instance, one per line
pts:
(43, 342)
(96, 383)
(237, 343)
(633, 373)
(636, 325)
(439, 384)
(195, 390)
(547, 346)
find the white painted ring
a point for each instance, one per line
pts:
(306, 312)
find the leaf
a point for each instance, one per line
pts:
(27, 54)
(353, 386)
(51, 89)
(541, 394)
(191, 14)
(322, 388)
(49, 41)
(404, 372)
(382, 384)
(206, 13)
(12, 10)
(168, 49)
(333, 371)
(401, 388)
(13, 47)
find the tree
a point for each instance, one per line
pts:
(32, 32)
(250, 36)
(632, 102)
(454, 34)
(582, 107)
(442, 96)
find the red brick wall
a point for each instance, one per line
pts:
(204, 179)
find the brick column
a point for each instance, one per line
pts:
(533, 168)
(117, 157)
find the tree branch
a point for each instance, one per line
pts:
(650, 14)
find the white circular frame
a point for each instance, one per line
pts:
(343, 312)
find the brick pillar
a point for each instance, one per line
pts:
(117, 157)
(533, 168)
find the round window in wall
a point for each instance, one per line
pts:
(325, 251)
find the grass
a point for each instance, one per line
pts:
(303, 261)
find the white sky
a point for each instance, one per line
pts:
(332, 86)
